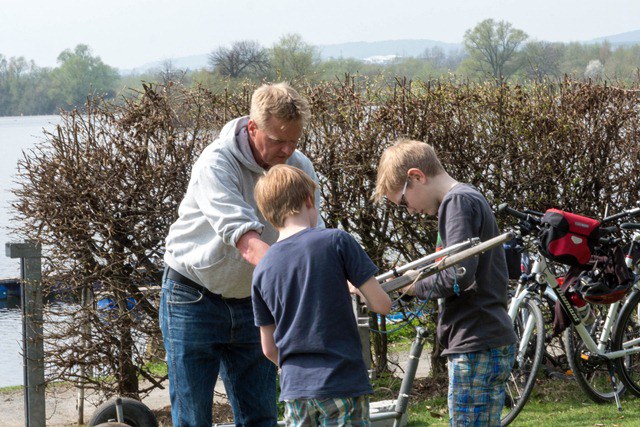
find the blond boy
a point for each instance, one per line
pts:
(474, 327)
(302, 305)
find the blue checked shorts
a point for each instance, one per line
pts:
(339, 412)
(477, 386)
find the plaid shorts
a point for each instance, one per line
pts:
(351, 411)
(477, 386)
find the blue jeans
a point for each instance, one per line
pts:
(205, 335)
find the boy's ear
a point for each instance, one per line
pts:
(309, 203)
(417, 174)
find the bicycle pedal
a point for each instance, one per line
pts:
(584, 356)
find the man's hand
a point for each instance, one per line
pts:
(354, 291)
(251, 247)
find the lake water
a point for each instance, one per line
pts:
(17, 134)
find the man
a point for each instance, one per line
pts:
(206, 314)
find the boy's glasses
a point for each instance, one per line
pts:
(403, 200)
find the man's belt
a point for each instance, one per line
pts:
(177, 277)
(184, 280)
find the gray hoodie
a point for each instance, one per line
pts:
(218, 209)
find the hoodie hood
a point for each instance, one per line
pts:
(234, 136)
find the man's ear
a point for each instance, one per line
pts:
(416, 174)
(252, 127)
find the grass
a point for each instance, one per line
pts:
(157, 367)
(10, 389)
(554, 403)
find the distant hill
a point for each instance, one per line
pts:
(365, 50)
(357, 50)
(371, 51)
(622, 39)
(193, 62)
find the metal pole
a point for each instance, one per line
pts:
(362, 320)
(32, 309)
(86, 301)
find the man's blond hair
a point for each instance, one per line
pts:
(278, 100)
(282, 191)
(396, 161)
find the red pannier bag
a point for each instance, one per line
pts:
(568, 238)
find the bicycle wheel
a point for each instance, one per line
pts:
(591, 373)
(554, 360)
(528, 361)
(627, 329)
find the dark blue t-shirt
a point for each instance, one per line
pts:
(300, 285)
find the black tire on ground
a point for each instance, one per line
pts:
(136, 414)
(627, 328)
(590, 374)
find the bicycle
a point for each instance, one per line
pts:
(592, 374)
(530, 327)
(587, 363)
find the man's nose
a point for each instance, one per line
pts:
(288, 149)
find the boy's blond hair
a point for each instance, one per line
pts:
(396, 160)
(282, 191)
(278, 100)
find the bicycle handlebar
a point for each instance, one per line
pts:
(503, 207)
(629, 213)
(528, 221)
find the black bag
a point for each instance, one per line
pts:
(513, 255)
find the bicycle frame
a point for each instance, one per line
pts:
(545, 275)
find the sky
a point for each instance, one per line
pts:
(129, 33)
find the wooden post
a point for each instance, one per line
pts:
(32, 316)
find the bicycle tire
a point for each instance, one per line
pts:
(592, 375)
(628, 327)
(524, 372)
(554, 358)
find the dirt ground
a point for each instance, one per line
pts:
(61, 407)
(61, 402)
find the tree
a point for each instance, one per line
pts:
(79, 75)
(594, 69)
(168, 74)
(542, 60)
(245, 58)
(293, 58)
(493, 46)
(23, 87)
(99, 194)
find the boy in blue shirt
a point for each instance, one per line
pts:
(302, 304)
